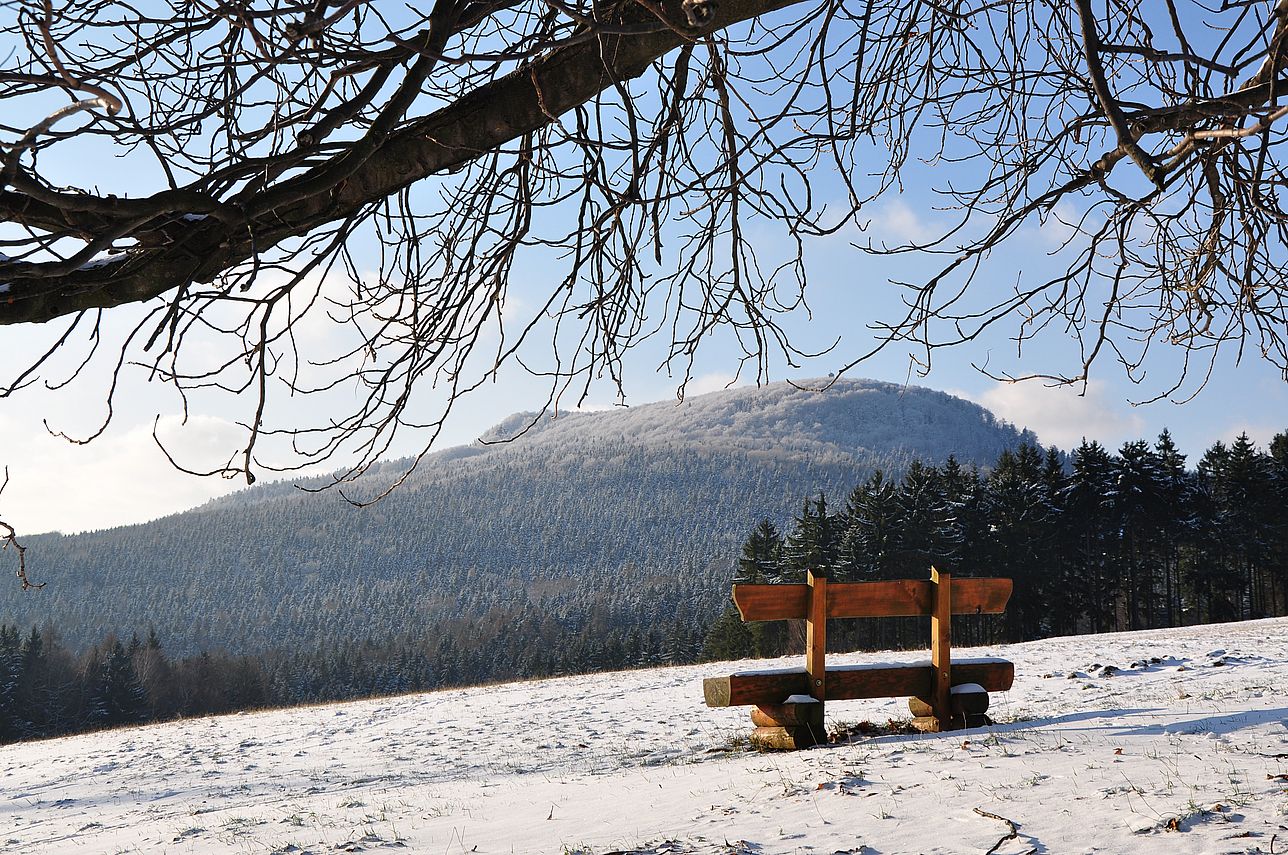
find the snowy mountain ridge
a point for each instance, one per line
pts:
(636, 515)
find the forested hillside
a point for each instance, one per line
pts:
(617, 529)
(1094, 541)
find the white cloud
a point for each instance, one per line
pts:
(1259, 434)
(1059, 415)
(1060, 225)
(713, 382)
(119, 479)
(896, 223)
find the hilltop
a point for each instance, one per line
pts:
(619, 528)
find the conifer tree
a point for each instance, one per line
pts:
(814, 540)
(118, 698)
(10, 677)
(926, 533)
(1085, 588)
(1175, 523)
(1020, 535)
(761, 559)
(1135, 499)
(870, 542)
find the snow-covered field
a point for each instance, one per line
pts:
(1188, 754)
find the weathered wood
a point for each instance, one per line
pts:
(897, 598)
(787, 715)
(844, 683)
(762, 689)
(926, 724)
(969, 703)
(963, 704)
(941, 635)
(784, 738)
(816, 635)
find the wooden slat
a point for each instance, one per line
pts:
(896, 598)
(843, 684)
(771, 602)
(986, 596)
(760, 689)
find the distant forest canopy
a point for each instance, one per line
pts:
(1094, 541)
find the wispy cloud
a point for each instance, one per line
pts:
(713, 382)
(120, 478)
(1059, 415)
(897, 223)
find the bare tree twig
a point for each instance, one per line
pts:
(10, 538)
(1011, 835)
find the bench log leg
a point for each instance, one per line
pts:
(786, 727)
(969, 705)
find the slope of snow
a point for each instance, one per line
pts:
(1188, 754)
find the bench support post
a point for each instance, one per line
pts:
(941, 622)
(816, 648)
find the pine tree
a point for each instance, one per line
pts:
(1136, 499)
(814, 541)
(118, 698)
(1020, 533)
(1084, 595)
(10, 678)
(1176, 523)
(869, 545)
(926, 532)
(761, 560)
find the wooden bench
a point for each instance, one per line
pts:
(944, 695)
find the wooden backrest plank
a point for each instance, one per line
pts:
(771, 602)
(895, 598)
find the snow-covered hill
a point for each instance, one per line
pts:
(662, 495)
(1185, 754)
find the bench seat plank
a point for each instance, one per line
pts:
(851, 682)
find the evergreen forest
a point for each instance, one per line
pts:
(1095, 541)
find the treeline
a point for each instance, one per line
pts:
(47, 690)
(1094, 541)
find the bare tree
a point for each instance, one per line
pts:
(620, 153)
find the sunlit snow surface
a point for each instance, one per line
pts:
(1186, 755)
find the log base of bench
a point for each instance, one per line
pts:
(969, 705)
(787, 727)
(784, 738)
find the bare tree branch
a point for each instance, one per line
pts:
(548, 184)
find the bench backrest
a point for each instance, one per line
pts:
(939, 597)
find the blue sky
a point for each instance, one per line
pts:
(122, 477)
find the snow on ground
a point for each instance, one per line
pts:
(1186, 754)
